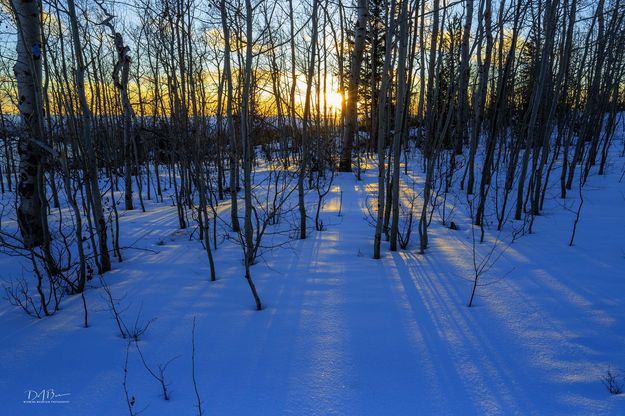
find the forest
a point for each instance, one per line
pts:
(312, 207)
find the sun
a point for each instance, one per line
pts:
(334, 99)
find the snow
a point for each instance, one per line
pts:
(341, 333)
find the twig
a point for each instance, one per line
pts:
(197, 394)
(160, 377)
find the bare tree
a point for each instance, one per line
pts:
(31, 212)
(351, 116)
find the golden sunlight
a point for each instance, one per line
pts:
(333, 99)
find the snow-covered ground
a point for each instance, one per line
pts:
(341, 333)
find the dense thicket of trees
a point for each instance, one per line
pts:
(122, 98)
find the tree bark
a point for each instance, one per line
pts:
(381, 135)
(351, 118)
(234, 162)
(247, 154)
(89, 148)
(31, 215)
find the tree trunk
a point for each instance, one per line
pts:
(31, 215)
(89, 149)
(351, 118)
(305, 127)
(402, 91)
(381, 135)
(247, 154)
(234, 161)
